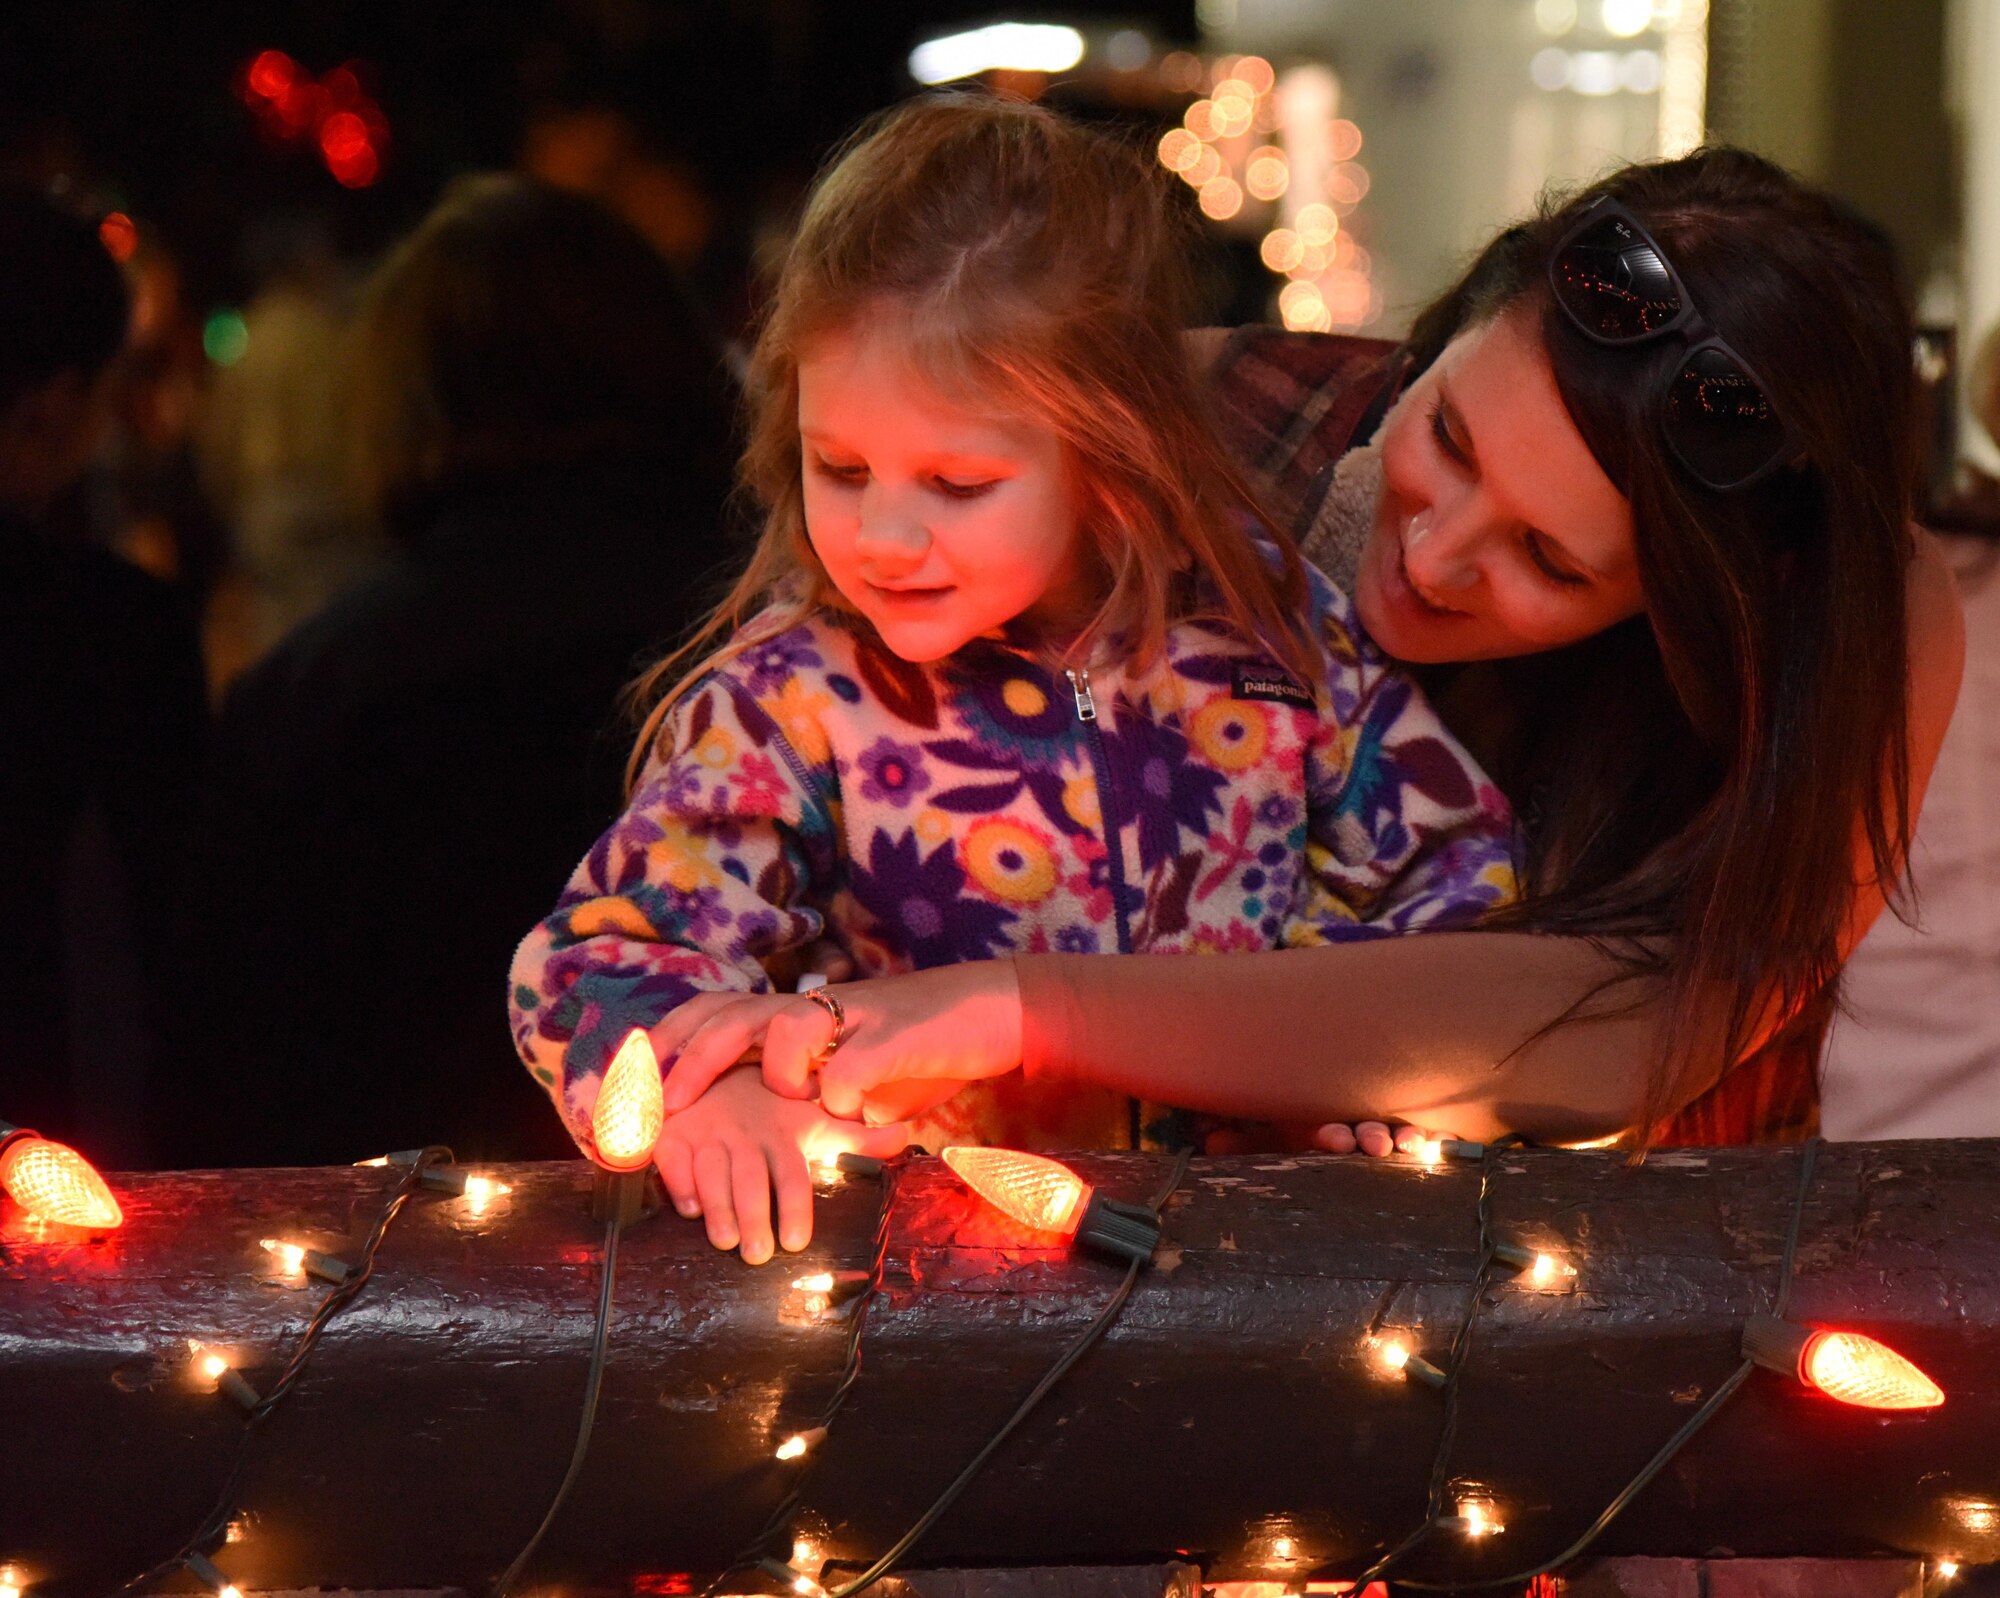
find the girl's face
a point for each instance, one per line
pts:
(1497, 533)
(936, 522)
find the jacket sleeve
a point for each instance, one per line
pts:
(1404, 831)
(711, 871)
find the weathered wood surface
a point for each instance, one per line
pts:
(1233, 1405)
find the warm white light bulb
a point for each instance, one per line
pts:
(1281, 1547)
(290, 1255)
(1428, 1150)
(1393, 1355)
(11, 1582)
(818, 1282)
(799, 1443)
(1476, 1518)
(481, 1188)
(231, 1590)
(1945, 1568)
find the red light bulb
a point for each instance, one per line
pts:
(1039, 1193)
(1843, 1365)
(52, 1182)
(631, 1107)
(1859, 1370)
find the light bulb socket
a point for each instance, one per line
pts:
(624, 1196)
(858, 1165)
(446, 1179)
(233, 1383)
(1129, 1230)
(203, 1570)
(1419, 1369)
(1513, 1254)
(324, 1266)
(1458, 1148)
(1777, 1345)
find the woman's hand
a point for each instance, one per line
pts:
(959, 1023)
(1375, 1138)
(726, 1155)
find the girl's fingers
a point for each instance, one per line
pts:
(676, 1162)
(791, 1180)
(1336, 1137)
(794, 1042)
(712, 1188)
(1374, 1138)
(1408, 1137)
(750, 1186)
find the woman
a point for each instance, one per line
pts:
(1640, 506)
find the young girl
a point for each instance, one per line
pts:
(1009, 672)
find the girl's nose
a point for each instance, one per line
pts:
(1437, 557)
(888, 531)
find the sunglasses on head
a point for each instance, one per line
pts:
(1612, 280)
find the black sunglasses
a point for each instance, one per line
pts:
(1615, 284)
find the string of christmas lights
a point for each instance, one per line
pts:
(194, 1554)
(1473, 1520)
(1044, 1195)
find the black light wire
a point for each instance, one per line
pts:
(857, 1323)
(593, 1385)
(1041, 1389)
(1668, 1450)
(215, 1524)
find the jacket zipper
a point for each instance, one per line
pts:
(1100, 762)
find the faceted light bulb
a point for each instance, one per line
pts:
(1859, 1370)
(631, 1108)
(53, 1182)
(1037, 1192)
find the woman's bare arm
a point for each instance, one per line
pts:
(1440, 1029)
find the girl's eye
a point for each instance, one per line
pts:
(1559, 575)
(1442, 434)
(952, 490)
(850, 475)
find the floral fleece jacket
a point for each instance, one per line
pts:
(816, 785)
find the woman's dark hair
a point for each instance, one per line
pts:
(1692, 780)
(521, 328)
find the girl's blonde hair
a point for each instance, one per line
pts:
(1034, 267)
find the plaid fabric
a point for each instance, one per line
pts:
(1289, 405)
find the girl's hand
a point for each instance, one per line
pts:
(1374, 1138)
(957, 1023)
(725, 1156)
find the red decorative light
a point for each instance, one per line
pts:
(1039, 1193)
(1858, 1370)
(271, 74)
(52, 1182)
(119, 236)
(631, 1108)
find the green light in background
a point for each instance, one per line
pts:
(225, 338)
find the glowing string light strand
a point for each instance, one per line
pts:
(1653, 1466)
(1055, 1374)
(781, 1517)
(214, 1526)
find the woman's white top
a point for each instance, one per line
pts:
(1918, 1053)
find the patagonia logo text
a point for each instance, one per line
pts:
(1264, 682)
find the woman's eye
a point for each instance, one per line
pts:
(953, 490)
(1442, 435)
(1560, 575)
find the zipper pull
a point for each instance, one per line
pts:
(1086, 706)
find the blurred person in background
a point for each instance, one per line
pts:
(272, 447)
(1916, 1052)
(102, 712)
(541, 430)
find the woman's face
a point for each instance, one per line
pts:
(1497, 533)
